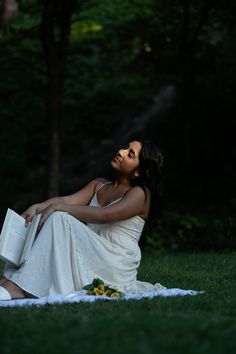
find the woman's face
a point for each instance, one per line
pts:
(126, 160)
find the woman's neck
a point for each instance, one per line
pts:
(119, 181)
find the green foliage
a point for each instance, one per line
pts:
(95, 283)
(187, 232)
(121, 54)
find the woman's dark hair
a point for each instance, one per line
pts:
(151, 177)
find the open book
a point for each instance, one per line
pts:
(16, 238)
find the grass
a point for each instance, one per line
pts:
(202, 324)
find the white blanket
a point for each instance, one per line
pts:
(81, 297)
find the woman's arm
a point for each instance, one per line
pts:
(82, 197)
(134, 203)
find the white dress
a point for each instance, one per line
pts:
(68, 254)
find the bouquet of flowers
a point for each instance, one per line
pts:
(97, 287)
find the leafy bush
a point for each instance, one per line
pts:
(186, 232)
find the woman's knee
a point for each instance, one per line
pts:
(58, 215)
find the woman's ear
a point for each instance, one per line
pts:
(136, 173)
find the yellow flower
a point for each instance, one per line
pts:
(115, 294)
(97, 291)
(108, 292)
(101, 287)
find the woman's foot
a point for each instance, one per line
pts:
(14, 290)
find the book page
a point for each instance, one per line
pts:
(30, 238)
(13, 237)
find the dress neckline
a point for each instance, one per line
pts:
(100, 206)
(114, 201)
(104, 206)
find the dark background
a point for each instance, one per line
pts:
(79, 78)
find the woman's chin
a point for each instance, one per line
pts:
(113, 164)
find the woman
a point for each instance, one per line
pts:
(93, 233)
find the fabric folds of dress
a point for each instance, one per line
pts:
(68, 254)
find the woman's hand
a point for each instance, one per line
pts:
(29, 213)
(48, 211)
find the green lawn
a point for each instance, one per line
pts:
(192, 324)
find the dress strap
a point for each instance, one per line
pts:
(102, 186)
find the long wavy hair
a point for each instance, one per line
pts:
(151, 176)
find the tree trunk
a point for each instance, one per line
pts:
(55, 27)
(8, 8)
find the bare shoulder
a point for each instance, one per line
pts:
(141, 199)
(98, 182)
(139, 193)
(84, 195)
